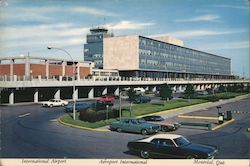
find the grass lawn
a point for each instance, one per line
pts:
(147, 108)
(137, 109)
(218, 96)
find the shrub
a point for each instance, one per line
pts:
(94, 116)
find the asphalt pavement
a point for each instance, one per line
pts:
(31, 131)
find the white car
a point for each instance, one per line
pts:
(54, 102)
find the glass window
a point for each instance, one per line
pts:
(181, 141)
(166, 142)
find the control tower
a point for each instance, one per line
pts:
(93, 49)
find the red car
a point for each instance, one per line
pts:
(107, 98)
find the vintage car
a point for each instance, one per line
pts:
(54, 102)
(171, 146)
(166, 124)
(78, 106)
(141, 99)
(136, 125)
(107, 98)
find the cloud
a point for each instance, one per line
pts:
(232, 7)
(92, 11)
(46, 13)
(226, 46)
(200, 33)
(58, 30)
(208, 17)
(128, 25)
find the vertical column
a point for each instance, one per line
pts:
(154, 89)
(147, 88)
(11, 97)
(75, 94)
(27, 67)
(174, 89)
(91, 93)
(11, 67)
(57, 94)
(63, 68)
(36, 96)
(47, 68)
(117, 91)
(105, 91)
(77, 71)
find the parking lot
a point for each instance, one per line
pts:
(33, 131)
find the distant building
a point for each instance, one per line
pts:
(43, 67)
(157, 57)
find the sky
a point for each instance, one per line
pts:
(219, 27)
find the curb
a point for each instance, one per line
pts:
(80, 127)
(222, 125)
(198, 117)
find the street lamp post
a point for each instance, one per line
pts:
(74, 100)
(120, 106)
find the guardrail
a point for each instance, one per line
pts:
(100, 78)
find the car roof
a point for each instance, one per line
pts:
(160, 136)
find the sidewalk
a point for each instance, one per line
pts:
(188, 109)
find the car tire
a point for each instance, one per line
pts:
(119, 130)
(144, 132)
(51, 105)
(164, 128)
(144, 154)
(190, 157)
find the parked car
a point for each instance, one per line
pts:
(107, 98)
(171, 146)
(78, 106)
(54, 102)
(135, 125)
(166, 124)
(142, 99)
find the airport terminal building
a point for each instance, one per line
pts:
(156, 57)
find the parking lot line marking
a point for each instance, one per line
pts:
(21, 116)
(198, 117)
(53, 120)
(80, 127)
(224, 124)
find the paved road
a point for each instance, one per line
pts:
(38, 135)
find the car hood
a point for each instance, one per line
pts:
(200, 148)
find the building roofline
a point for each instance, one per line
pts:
(43, 58)
(171, 71)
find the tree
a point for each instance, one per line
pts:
(222, 88)
(165, 92)
(131, 98)
(189, 91)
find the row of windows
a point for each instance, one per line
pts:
(155, 54)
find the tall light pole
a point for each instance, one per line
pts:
(120, 106)
(74, 100)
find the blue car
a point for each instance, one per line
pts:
(78, 107)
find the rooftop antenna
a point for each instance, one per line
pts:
(104, 21)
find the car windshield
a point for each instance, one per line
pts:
(52, 100)
(181, 141)
(141, 120)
